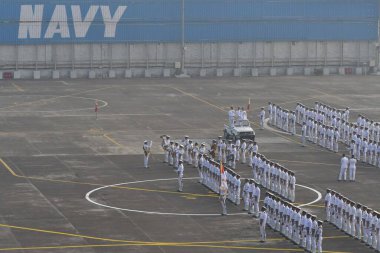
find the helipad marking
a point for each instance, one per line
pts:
(149, 212)
(311, 189)
(88, 198)
(103, 104)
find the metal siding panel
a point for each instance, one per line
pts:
(209, 20)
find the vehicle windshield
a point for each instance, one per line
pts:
(244, 123)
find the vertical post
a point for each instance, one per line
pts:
(183, 37)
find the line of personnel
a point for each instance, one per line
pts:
(355, 219)
(274, 176)
(297, 225)
(361, 137)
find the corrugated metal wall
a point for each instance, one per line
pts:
(51, 21)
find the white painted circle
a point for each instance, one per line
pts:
(102, 105)
(311, 189)
(88, 198)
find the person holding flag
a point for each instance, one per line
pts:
(223, 190)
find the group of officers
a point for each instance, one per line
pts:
(274, 176)
(297, 225)
(357, 220)
(281, 118)
(328, 126)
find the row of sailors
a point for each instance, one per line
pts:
(329, 137)
(231, 153)
(321, 112)
(282, 118)
(323, 135)
(367, 152)
(236, 116)
(370, 126)
(251, 197)
(298, 226)
(363, 127)
(355, 219)
(210, 176)
(274, 176)
(186, 150)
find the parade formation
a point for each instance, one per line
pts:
(218, 162)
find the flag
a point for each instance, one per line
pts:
(221, 169)
(249, 104)
(96, 106)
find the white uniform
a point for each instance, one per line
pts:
(256, 196)
(165, 147)
(223, 196)
(243, 149)
(180, 171)
(303, 135)
(262, 118)
(263, 216)
(231, 116)
(343, 169)
(327, 206)
(246, 196)
(352, 169)
(146, 147)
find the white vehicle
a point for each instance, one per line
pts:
(239, 131)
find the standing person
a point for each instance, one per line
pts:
(256, 200)
(352, 168)
(223, 195)
(270, 111)
(319, 236)
(262, 118)
(231, 116)
(146, 147)
(243, 149)
(343, 168)
(246, 195)
(165, 146)
(263, 216)
(180, 171)
(303, 134)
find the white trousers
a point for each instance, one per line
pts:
(343, 173)
(146, 160)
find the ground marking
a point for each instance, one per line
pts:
(18, 87)
(95, 184)
(88, 197)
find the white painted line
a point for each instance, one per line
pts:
(311, 189)
(102, 105)
(88, 198)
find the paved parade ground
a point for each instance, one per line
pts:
(72, 183)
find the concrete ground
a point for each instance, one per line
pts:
(54, 151)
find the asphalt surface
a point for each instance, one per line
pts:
(54, 151)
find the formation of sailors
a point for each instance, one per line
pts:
(297, 225)
(282, 118)
(211, 177)
(355, 219)
(274, 176)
